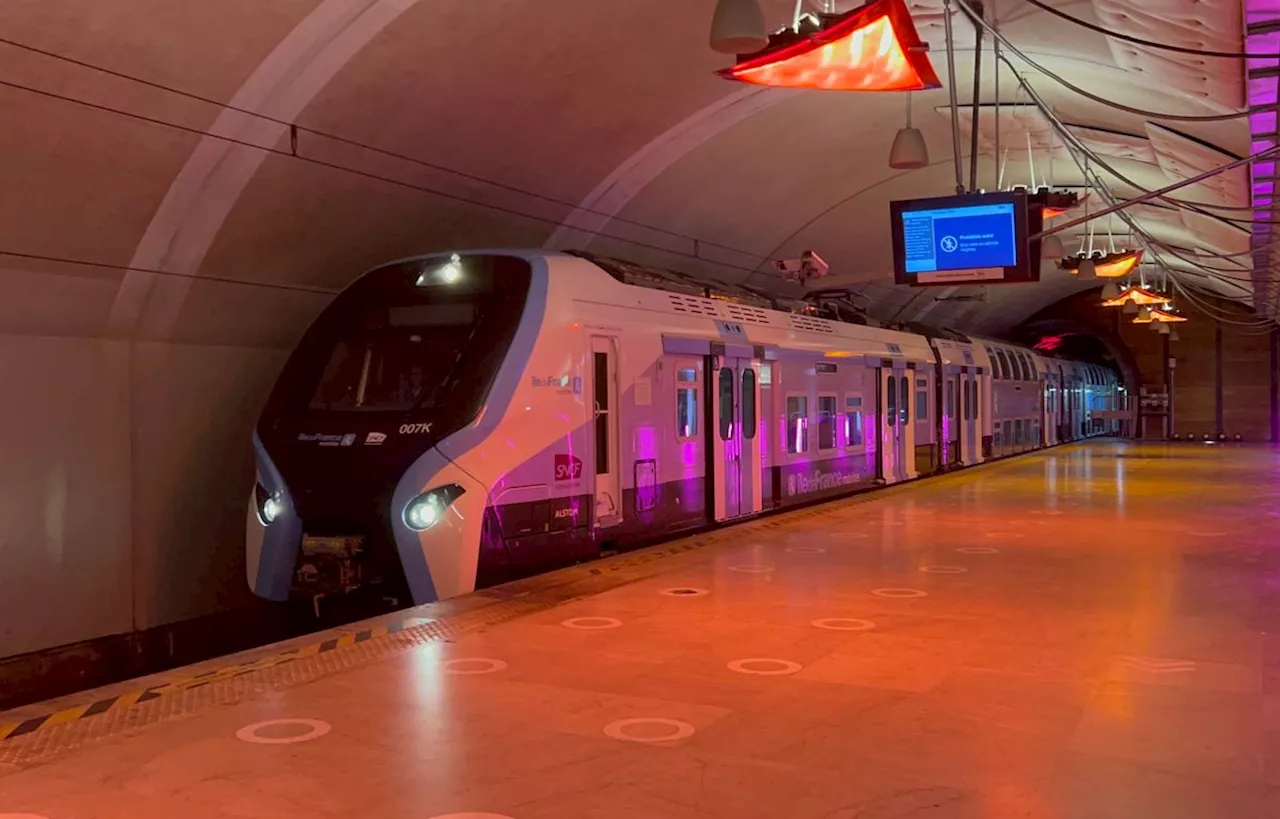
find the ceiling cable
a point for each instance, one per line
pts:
(1095, 97)
(351, 143)
(1198, 52)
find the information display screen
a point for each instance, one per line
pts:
(975, 238)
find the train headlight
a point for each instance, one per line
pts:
(428, 509)
(269, 506)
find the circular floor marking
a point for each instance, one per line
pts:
(844, 624)
(944, 569)
(806, 550)
(472, 665)
(618, 729)
(776, 667)
(22, 816)
(591, 623)
(685, 591)
(313, 729)
(858, 534)
(1208, 534)
(751, 568)
(899, 593)
(977, 550)
(1004, 535)
(471, 816)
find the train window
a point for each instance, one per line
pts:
(904, 400)
(797, 424)
(748, 403)
(1002, 366)
(826, 422)
(1017, 432)
(922, 399)
(853, 420)
(968, 410)
(951, 399)
(766, 375)
(1008, 432)
(891, 401)
(686, 410)
(726, 403)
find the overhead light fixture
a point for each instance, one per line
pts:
(871, 48)
(1135, 295)
(1130, 307)
(1173, 334)
(738, 27)
(1104, 266)
(1157, 315)
(1163, 328)
(909, 151)
(1110, 291)
(1053, 203)
(1051, 247)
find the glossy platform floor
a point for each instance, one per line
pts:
(1083, 634)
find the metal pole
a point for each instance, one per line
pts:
(1156, 194)
(977, 98)
(951, 82)
(995, 42)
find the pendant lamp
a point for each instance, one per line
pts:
(1144, 314)
(738, 27)
(1086, 267)
(909, 151)
(1173, 334)
(1051, 247)
(1110, 290)
(1161, 327)
(1130, 307)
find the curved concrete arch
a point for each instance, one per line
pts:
(203, 193)
(613, 194)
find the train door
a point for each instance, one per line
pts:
(955, 431)
(608, 486)
(897, 456)
(971, 426)
(736, 474)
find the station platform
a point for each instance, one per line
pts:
(1083, 633)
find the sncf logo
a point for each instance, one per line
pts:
(568, 468)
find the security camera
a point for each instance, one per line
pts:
(808, 267)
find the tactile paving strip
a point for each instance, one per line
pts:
(37, 739)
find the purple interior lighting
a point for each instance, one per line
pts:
(1262, 90)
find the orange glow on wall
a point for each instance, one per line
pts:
(873, 48)
(1138, 295)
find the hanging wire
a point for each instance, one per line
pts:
(1198, 52)
(1089, 94)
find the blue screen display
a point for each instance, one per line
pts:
(961, 238)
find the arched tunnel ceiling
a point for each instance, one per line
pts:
(586, 124)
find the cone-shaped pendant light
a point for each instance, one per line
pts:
(1130, 307)
(1086, 268)
(1162, 328)
(909, 151)
(738, 27)
(1110, 291)
(1051, 247)
(1144, 314)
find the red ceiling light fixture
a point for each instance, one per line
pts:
(1136, 294)
(872, 48)
(1105, 265)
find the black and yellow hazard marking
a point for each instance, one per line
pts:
(13, 730)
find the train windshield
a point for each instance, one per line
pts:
(425, 336)
(404, 361)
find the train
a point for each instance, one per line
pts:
(452, 421)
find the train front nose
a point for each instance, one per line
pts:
(437, 524)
